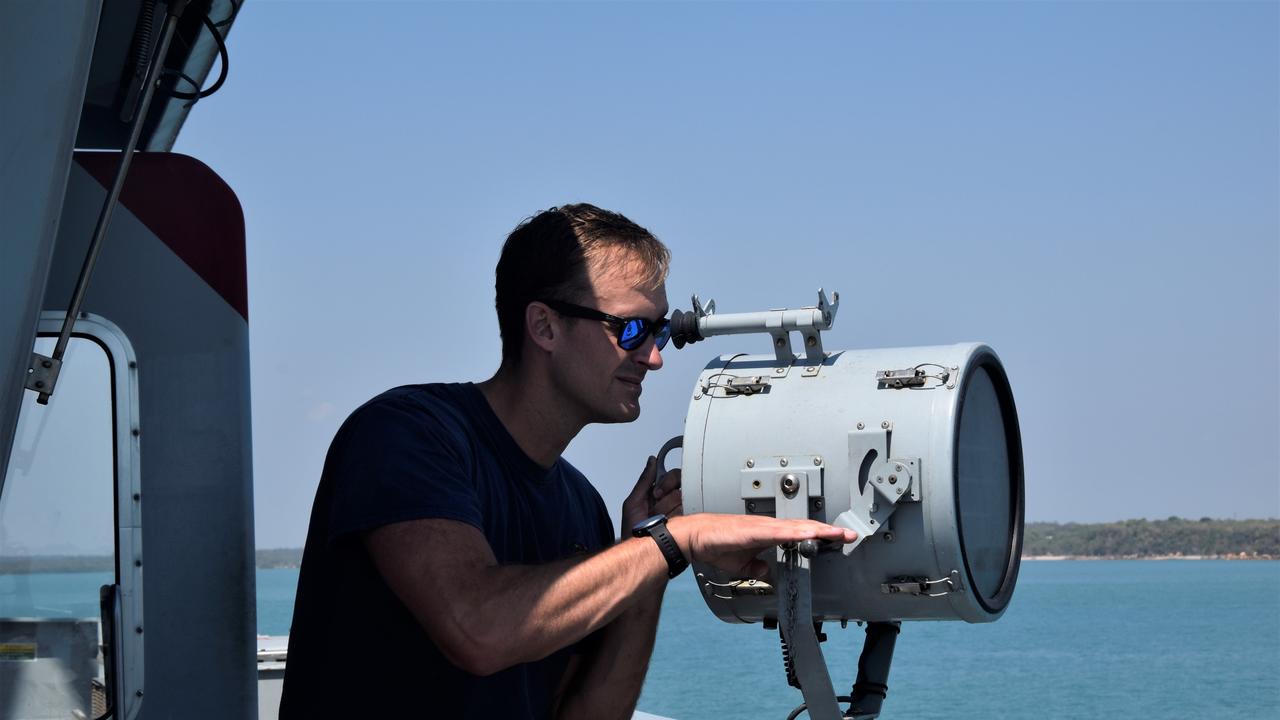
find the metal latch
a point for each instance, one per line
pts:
(922, 586)
(746, 385)
(907, 377)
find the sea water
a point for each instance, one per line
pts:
(1081, 639)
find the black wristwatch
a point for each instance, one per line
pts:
(656, 528)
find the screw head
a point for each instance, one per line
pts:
(779, 342)
(783, 462)
(779, 371)
(697, 396)
(751, 463)
(893, 479)
(790, 484)
(751, 507)
(888, 536)
(817, 460)
(811, 341)
(951, 386)
(817, 503)
(884, 425)
(899, 468)
(861, 425)
(899, 491)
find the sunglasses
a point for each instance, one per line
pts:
(631, 332)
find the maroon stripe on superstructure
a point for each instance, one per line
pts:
(190, 209)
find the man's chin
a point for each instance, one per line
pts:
(623, 412)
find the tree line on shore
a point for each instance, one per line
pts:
(1171, 537)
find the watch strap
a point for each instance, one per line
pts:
(670, 549)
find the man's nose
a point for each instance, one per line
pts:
(653, 358)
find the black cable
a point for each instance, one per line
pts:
(803, 707)
(235, 10)
(222, 72)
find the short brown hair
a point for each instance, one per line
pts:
(546, 258)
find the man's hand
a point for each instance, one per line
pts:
(648, 498)
(731, 542)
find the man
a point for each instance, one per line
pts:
(456, 565)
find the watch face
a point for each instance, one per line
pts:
(647, 523)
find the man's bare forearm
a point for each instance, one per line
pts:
(609, 679)
(521, 613)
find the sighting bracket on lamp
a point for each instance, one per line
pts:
(702, 322)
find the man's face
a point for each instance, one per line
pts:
(596, 377)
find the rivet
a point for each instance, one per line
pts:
(899, 468)
(137, 563)
(136, 432)
(861, 425)
(879, 478)
(888, 536)
(899, 491)
(751, 463)
(783, 462)
(817, 460)
(137, 497)
(884, 425)
(697, 396)
(138, 693)
(778, 371)
(951, 386)
(138, 629)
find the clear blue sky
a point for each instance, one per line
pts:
(1091, 188)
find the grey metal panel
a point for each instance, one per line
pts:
(197, 489)
(45, 51)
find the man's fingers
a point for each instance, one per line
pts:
(670, 505)
(667, 484)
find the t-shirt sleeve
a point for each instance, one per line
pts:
(398, 460)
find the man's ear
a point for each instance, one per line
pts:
(542, 325)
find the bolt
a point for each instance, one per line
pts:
(751, 463)
(899, 468)
(817, 503)
(39, 384)
(893, 479)
(888, 536)
(779, 371)
(899, 491)
(790, 484)
(783, 462)
(751, 507)
(811, 341)
(861, 426)
(779, 341)
(884, 425)
(817, 460)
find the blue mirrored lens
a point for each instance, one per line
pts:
(633, 333)
(663, 335)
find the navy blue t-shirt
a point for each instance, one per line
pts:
(424, 451)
